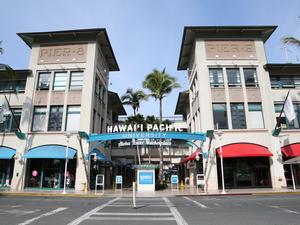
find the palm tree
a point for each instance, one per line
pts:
(1, 49)
(160, 84)
(133, 98)
(291, 41)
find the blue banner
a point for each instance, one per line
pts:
(145, 177)
(147, 135)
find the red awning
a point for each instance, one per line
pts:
(244, 150)
(291, 150)
(192, 156)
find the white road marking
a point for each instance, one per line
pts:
(134, 218)
(285, 210)
(132, 214)
(18, 212)
(179, 219)
(148, 205)
(42, 215)
(93, 211)
(197, 203)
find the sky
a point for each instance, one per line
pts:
(145, 34)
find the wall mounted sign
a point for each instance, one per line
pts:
(230, 49)
(62, 54)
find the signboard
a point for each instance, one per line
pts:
(73, 53)
(119, 180)
(146, 178)
(34, 173)
(230, 49)
(200, 179)
(174, 179)
(99, 182)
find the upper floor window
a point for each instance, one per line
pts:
(255, 114)
(73, 118)
(39, 118)
(295, 124)
(250, 77)
(44, 81)
(233, 77)
(60, 81)
(220, 116)
(11, 122)
(238, 116)
(285, 81)
(216, 78)
(13, 86)
(55, 118)
(76, 80)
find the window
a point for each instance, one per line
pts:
(97, 86)
(60, 80)
(285, 81)
(216, 78)
(295, 124)
(10, 123)
(94, 121)
(73, 118)
(39, 118)
(233, 77)
(55, 118)
(12, 86)
(44, 81)
(250, 78)
(256, 119)
(238, 116)
(76, 80)
(220, 116)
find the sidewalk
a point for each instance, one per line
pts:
(162, 193)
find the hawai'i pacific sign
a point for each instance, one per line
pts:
(153, 131)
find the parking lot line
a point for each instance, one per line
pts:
(285, 210)
(93, 211)
(43, 215)
(197, 203)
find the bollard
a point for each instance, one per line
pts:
(181, 185)
(133, 195)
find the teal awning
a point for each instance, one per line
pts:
(7, 153)
(100, 156)
(50, 152)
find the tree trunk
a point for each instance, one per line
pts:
(161, 159)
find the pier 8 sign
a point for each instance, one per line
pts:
(154, 131)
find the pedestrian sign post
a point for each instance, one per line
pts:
(119, 182)
(174, 181)
(99, 182)
(200, 181)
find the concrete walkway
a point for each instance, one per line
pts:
(162, 193)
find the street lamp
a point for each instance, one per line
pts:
(219, 134)
(68, 135)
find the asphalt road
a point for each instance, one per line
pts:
(229, 210)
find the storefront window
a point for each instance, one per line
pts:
(6, 172)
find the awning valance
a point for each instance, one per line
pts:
(6, 153)
(100, 156)
(192, 156)
(50, 152)
(291, 150)
(295, 160)
(244, 150)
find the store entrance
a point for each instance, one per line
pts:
(49, 173)
(251, 172)
(6, 172)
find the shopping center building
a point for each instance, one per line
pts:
(235, 92)
(63, 91)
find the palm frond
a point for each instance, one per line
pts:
(291, 40)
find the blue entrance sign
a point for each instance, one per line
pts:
(118, 179)
(174, 179)
(146, 178)
(147, 135)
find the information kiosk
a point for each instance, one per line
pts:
(145, 177)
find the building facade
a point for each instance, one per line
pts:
(235, 92)
(64, 90)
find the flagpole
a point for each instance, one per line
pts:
(13, 115)
(278, 124)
